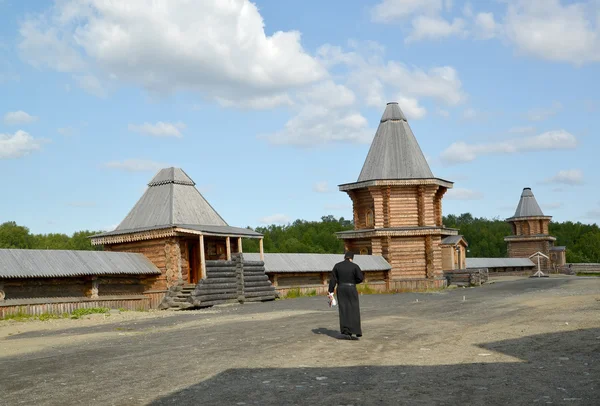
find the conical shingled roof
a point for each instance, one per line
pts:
(171, 199)
(528, 206)
(395, 152)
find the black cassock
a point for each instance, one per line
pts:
(346, 275)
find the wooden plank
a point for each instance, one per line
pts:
(228, 247)
(202, 258)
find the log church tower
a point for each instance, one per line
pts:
(531, 235)
(397, 207)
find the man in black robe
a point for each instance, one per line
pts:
(346, 275)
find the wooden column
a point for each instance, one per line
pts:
(430, 268)
(378, 209)
(239, 244)
(387, 221)
(261, 250)
(202, 259)
(228, 246)
(2, 294)
(421, 204)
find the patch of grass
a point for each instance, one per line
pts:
(296, 292)
(19, 316)
(78, 313)
(365, 289)
(588, 273)
(49, 316)
(122, 309)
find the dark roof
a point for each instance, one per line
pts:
(172, 200)
(222, 230)
(528, 206)
(395, 152)
(19, 263)
(453, 240)
(316, 262)
(499, 263)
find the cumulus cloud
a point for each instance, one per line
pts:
(426, 27)
(463, 194)
(160, 129)
(91, 84)
(567, 177)
(18, 117)
(135, 165)
(377, 80)
(215, 47)
(275, 219)
(550, 30)
(388, 11)
(460, 152)
(411, 108)
(486, 26)
(18, 145)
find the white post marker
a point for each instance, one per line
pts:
(539, 272)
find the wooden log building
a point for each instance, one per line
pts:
(397, 207)
(530, 234)
(197, 252)
(60, 281)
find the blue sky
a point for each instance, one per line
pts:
(270, 105)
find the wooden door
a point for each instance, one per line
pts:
(194, 259)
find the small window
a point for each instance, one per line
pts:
(364, 251)
(369, 218)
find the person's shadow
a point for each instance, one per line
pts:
(330, 333)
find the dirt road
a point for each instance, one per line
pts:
(526, 341)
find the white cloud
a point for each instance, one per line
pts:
(321, 187)
(315, 125)
(18, 117)
(90, 84)
(275, 219)
(541, 114)
(426, 27)
(257, 103)
(393, 10)
(160, 129)
(567, 177)
(411, 108)
(486, 26)
(460, 152)
(136, 165)
(217, 48)
(376, 80)
(463, 194)
(18, 145)
(550, 30)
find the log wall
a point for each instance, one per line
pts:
(165, 253)
(524, 249)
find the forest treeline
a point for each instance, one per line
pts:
(485, 237)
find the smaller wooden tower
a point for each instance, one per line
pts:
(530, 233)
(397, 206)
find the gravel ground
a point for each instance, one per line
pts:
(512, 342)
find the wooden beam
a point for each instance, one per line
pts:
(239, 244)
(228, 245)
(261, 249)
(202, 259)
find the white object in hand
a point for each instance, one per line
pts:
(332, 301)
